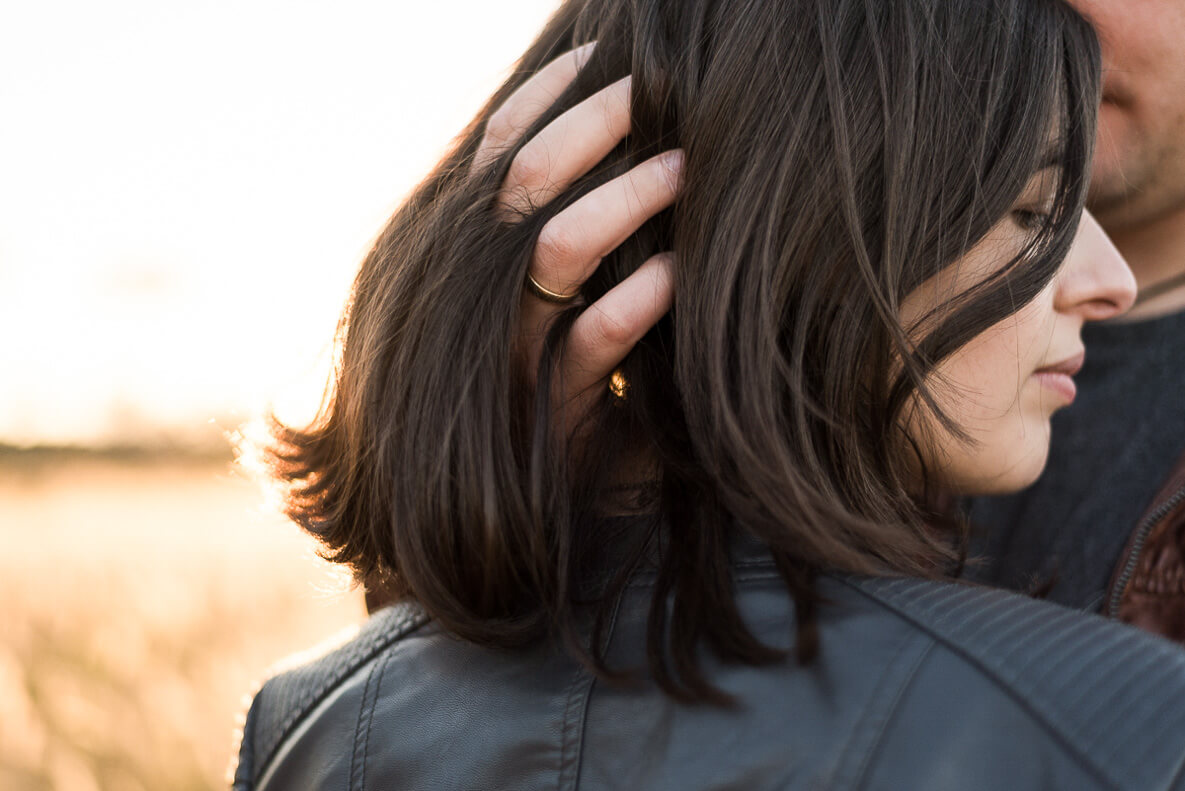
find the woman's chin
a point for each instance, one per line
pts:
(1012, 476)
(1006, 459)
(1000, 463)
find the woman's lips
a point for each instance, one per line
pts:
(1059, 377)
(1059, 383)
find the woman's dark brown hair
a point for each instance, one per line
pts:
(838, 153)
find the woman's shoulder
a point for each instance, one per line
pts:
(1004, 680)
(920, 685)
(299, 686)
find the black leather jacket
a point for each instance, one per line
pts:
(920, 686)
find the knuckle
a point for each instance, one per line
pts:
(557, 246)
(663, 179)
(608, 330)
(530, 169)
(500, 129)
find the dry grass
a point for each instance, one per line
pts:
(142, 601)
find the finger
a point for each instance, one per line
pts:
(566, 149)
(608, 329)
(533, 97)
(573, 242)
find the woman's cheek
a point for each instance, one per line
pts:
(986, 389)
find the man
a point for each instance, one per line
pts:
(1099, 530)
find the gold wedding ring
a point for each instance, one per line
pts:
(547, 295)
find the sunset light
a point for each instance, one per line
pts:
(186, 190)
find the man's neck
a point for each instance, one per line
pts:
(1156, 253)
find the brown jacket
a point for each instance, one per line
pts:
(1148, 587)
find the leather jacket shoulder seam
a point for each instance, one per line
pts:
(1058, 736)
(576, 712)
(867, 749)
(370, 692)
(405, 623)
(571, 729)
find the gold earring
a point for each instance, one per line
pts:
(618, 385)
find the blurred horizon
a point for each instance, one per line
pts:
(187, 191)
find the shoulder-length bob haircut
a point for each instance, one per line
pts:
(837, 154)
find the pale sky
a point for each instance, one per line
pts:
(186, 190)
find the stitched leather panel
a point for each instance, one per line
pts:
(925, 686)
(287, 698)
(374, 680)
(792, 727)
(1099, 686)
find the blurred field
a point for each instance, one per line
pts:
(142, 598)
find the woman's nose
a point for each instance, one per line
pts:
(1095, 281)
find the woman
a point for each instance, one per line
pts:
(881, 277)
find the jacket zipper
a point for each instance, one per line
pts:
(1141, 536)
